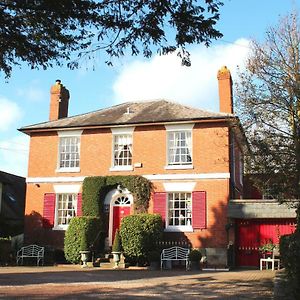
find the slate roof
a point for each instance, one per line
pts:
(131, 113)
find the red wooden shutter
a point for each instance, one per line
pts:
(160, 205)
(199, 210)
(49, 210)
(79, 205)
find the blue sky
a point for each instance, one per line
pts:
(24, 98)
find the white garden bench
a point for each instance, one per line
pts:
(175, 254)
(31, 251)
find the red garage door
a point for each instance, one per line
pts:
(252, 233)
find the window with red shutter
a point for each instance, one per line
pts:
(49, 210)
(199, 210)
(160, 205)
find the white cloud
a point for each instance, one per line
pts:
(164, 77)
(10, 113)
(14, 155)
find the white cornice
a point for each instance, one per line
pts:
(193, 176)
(188, 176)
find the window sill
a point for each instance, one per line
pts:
(179, 167)
(179, 229)
(121, 168)
(68, 170)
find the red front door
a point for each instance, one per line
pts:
(119, 212)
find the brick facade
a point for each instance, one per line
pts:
(212, 167)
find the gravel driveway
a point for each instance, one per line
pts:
(72, 282)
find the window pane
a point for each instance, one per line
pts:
(66, 208)
(179, 212)
(179, 148)
(69, 152)
(122, 150)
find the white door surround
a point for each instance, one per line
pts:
(115, 197)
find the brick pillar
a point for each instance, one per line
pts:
(59, 101)
(225, 90)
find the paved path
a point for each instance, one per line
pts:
(72, 282)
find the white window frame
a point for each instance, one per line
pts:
(171, 129)
(68, 134)
(64, 190)
(179, 187)
(116, 132)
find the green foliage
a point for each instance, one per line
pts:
(290, 256)
(93, 196)
(268, 247)
(82, 234)
(45, 32)
(153, 255)
(140, 234)
(95, 189)
(195, 255)
(5, 250)
(117, 245)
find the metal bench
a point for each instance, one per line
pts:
(31, 251)
(175, 254)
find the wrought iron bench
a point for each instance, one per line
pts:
(175, 254)
(31, 251)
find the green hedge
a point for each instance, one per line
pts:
(95, 189)
(92, 196)
(140, 234)
(290, 255)
(83, 233)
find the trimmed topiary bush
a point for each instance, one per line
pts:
(290, 255)
(195, 255)
(117, 245)
(83, 233)
(140, 234)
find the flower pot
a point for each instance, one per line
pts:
(84, 258)
(116, 258)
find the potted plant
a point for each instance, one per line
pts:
(267, 249)
(154, 259)
(117, 249)
(195, 257)
(84, 252)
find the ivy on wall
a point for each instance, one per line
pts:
(95, 189)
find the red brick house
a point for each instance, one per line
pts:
(194, 158)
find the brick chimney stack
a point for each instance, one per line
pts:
(59, 101)
(225, 90)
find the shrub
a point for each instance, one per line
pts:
(117, 245)
(82, 234)
(290, 255)
(5, 250)
(195, 255)
(140, 234)
(153, 255)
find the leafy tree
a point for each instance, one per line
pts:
(268, 101)
(46, 32)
